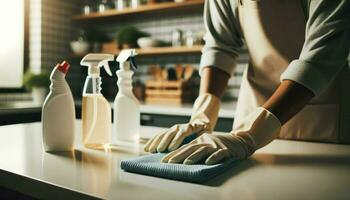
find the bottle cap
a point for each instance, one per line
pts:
(64, 67)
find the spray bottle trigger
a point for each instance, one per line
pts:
(133, 63)
(106, 67)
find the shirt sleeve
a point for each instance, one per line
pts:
(326, 46)
(222, 38)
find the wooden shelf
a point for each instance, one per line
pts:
(148, 9)
(168, 50)
(159, 51)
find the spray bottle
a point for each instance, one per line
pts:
(126, 105)
(96, 110)
(58, 113)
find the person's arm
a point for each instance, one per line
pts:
(213, 81)
(218, 60)
(288, 99)
(223, 39)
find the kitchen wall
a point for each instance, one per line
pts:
(57, 30)
(51, 30)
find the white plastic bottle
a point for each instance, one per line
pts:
(58, 113)
(96, 110)
(126, 105)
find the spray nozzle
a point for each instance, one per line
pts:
(95, 61)
(133, 63)
(125, 57)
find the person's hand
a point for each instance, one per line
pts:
(203, 120)
(257, 130)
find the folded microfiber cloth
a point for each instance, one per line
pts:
(152, 165)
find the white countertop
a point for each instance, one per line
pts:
(282, 170)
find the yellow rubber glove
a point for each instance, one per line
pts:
(203, 120)
(256, 131)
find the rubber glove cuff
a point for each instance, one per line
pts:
(257, 130)
(205, 113)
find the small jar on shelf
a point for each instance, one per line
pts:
(177, 38)
(137, 3)
(87, 7)
(189, 38)
(121, 4)
(103, 6)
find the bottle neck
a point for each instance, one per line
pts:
(58, 82)
(94, 71)
(92, 85)
(125, 82)
(125, 66)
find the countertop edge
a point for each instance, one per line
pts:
(39, 189)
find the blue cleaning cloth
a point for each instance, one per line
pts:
(152, 165)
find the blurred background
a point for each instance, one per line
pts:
(168, 35)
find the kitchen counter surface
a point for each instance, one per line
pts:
(282, 170)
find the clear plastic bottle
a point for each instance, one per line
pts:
(96, 115)
(96, 110)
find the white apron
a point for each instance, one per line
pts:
(274, 33)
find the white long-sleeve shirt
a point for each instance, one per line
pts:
(324, 54)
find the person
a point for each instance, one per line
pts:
(296, 85)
